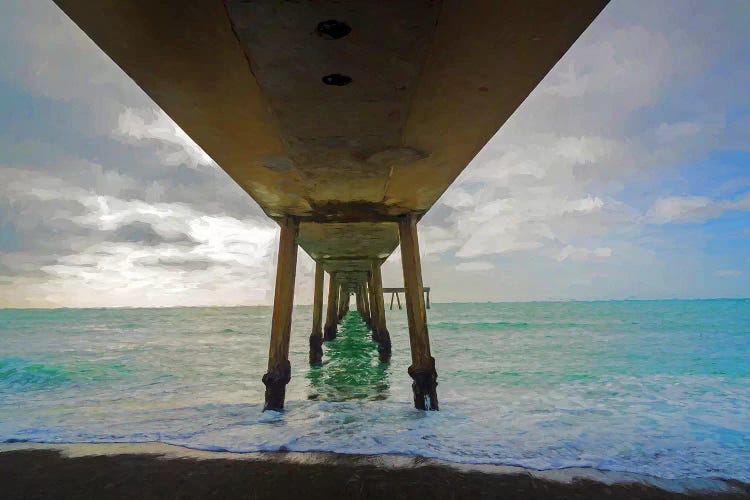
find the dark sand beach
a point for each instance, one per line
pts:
(159, 471)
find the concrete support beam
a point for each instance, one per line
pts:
(316, 336)
(422, 369)
(380, 331)
(279, 371)
(329, 331)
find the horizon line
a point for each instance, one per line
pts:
(541, 301)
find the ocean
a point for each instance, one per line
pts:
(651, 387)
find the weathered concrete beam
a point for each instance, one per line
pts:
(422, 369)
(279, 371)
(316, 336)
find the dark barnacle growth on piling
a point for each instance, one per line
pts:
(276, 380)
(424, 387)
(316, 349)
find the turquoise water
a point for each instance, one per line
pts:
(656, 387)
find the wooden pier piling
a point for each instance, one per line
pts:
(422, 369)
(366, 303)
(316, 335)
(279, 370)
(329, 331)
(358, 300)
(380, 331)
(343, 306)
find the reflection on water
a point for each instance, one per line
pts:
(351, 369)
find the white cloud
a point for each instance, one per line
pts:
(741, 203)
(576, 253)
(129, 274)
(435, 240)
(475, 266)
(190, 257)
(671, 132)
(682, 209)
(728, 273)
(154, 125)
(693, 209)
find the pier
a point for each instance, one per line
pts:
(396, 291)
(345, 122)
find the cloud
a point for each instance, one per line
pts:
(693, 209)
(728, 273)
(114, 251)
(741, 203)
(575, 253)
(475, 266)
(683, 209)
(145, 233)
(435, 240)
(153, 125)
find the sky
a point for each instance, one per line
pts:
(625, 174)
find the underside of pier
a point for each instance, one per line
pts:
(344, 120)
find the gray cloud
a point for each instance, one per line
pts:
(145, 233)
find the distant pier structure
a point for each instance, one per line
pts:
(344, 120)
(395, 291)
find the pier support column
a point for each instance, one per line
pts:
(279, 370)
(316, 336)
(343, 303)
(329, 332)
(422, 369)
(373, 307)
(380, 331)
(366, 304)
(360, 307)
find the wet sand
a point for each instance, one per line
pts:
(162, 471)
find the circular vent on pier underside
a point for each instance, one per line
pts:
(337, 79)
(333, 29)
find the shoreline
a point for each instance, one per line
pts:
(159, 470)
